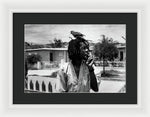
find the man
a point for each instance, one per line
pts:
(78, 76)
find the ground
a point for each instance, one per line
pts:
(115, 84)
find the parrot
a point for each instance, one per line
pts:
(76, 34)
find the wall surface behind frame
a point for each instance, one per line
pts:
(95, 4)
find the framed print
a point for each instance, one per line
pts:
(75, 58)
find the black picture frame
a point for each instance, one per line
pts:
(20, 19)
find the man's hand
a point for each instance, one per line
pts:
(90, 61)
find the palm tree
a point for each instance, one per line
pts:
(105, 50)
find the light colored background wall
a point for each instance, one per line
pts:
(43, 54)
(58, 55)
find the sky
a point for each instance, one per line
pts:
(45, 33)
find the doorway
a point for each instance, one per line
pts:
(121, 55)
(51, 57)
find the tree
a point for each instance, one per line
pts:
(28, 45)
(33, 59)
(57, 43)
(105, 50)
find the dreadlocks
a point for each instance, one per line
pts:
(74, 48)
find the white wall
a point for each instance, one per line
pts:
(43, 54)
(73, 110)
(57, 55)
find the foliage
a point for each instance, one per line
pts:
(33, 58)
(57, 43)
(32, 46)
(27, 45)
(105, 50)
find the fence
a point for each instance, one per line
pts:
(47, 64)
(41, 84)
(111, 64)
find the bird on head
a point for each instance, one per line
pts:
(76, 34)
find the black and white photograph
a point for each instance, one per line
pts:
(75, 58)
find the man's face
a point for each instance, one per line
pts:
(84, 51)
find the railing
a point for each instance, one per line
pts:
(113, 64)
(41, 84)
(46, 64)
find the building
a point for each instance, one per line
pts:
(121, 52)
(50, 55)
(60, 55)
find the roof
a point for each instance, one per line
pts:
(62, 49)
(45, 49)
(119, 46)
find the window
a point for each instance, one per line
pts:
(121, 55)
(51, 56)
